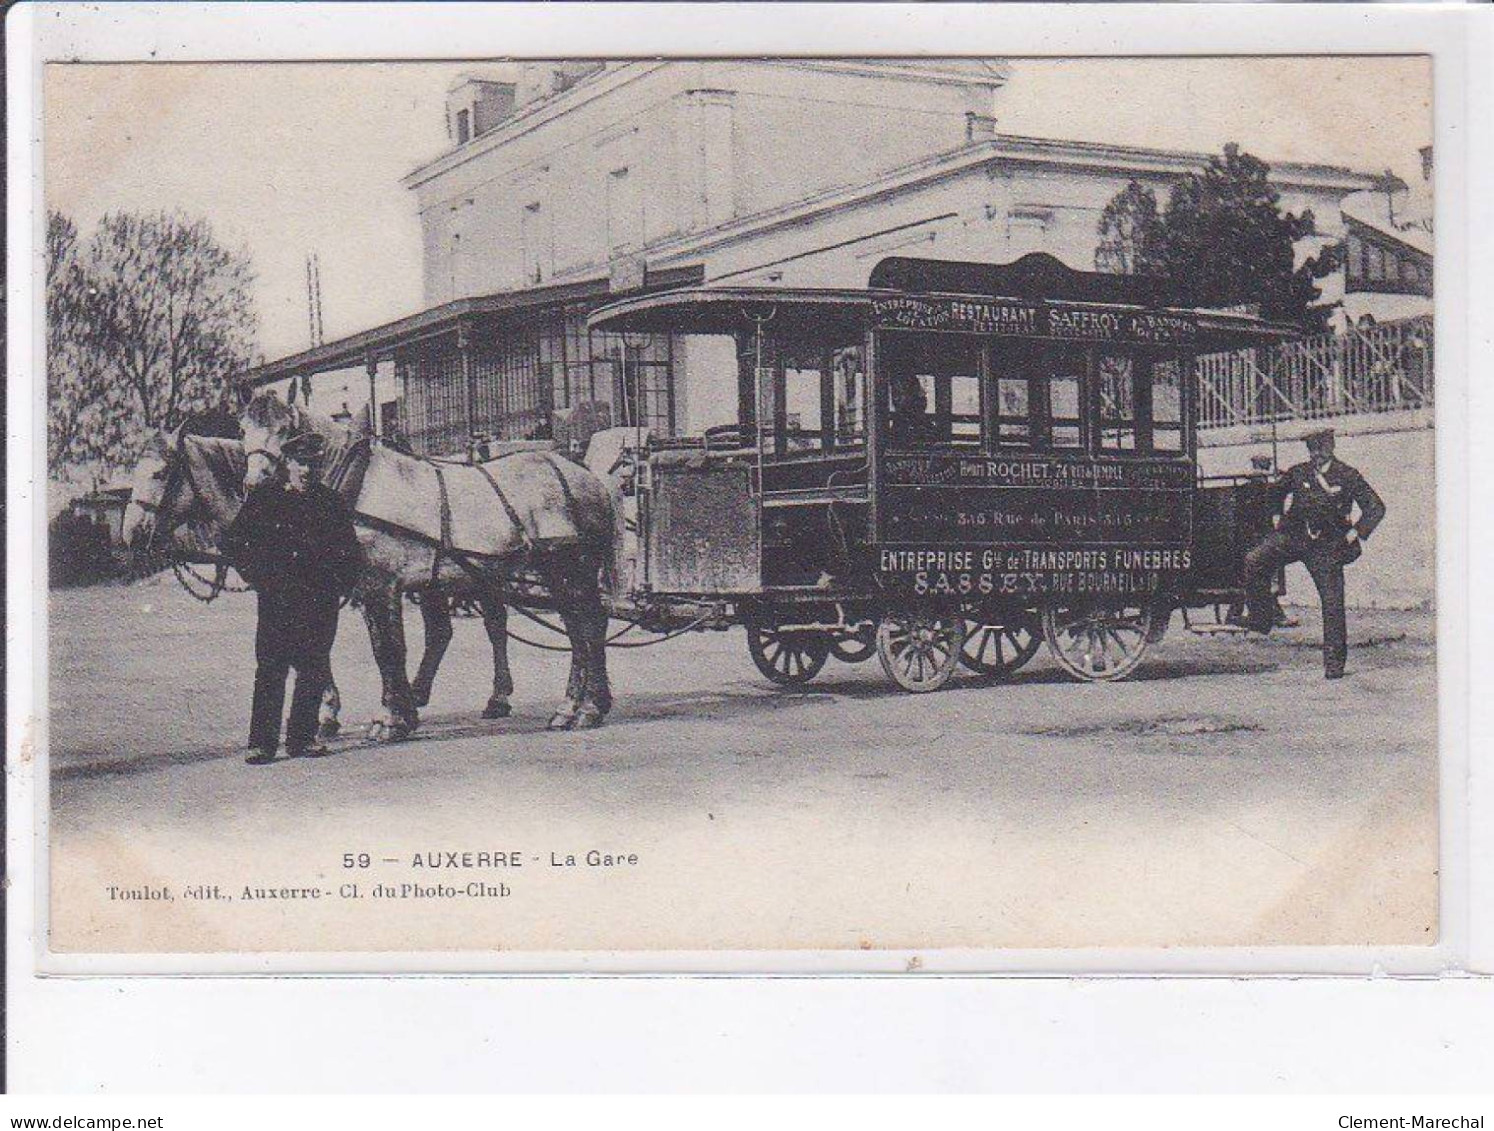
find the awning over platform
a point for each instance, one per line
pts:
(381, 341)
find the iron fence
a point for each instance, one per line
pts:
(1381, 368)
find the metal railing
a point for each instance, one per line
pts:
(1382, 368)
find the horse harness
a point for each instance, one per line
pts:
(181, 464)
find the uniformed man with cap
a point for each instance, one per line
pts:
(1316, 526)
(293, 540)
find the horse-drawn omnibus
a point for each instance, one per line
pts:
(952, 465)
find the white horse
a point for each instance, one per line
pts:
(530, 527)
(184, 492)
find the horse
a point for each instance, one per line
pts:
(529, 527)
(187, 488)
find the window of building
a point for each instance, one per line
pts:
(643, 388)
(624, 211)
(1375, 266)
(1027, 227)
(463, 126)
(534, 236)
(1355, 258)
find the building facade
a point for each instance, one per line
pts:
(567, 184)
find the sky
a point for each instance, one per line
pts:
(287, 159)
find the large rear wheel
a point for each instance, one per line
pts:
(920, 651)
(1098, 642)
(787, 658)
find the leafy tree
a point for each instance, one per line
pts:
(1223, 240)
(152, 320)
(1131, 235)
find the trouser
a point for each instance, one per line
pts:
(313, 673)
(291, 634)
(1271, 554)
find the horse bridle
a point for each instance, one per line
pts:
(179, 465)
(277, 459)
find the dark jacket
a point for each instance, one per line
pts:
(295, 543)
(1319, 506)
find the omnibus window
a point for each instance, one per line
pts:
(801, 404)
(1065, 382)
(848, 373)
(964, 408)
(1014, 409)
(1167, 405)
(932, 391)
(1012, 379)
(1117, 402)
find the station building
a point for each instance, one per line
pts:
(567, 185)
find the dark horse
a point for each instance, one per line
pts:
(529, 526)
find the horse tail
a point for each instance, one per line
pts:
(601, 522)
(594, 513)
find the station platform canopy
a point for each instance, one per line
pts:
(498, 309)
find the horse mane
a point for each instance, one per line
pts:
(268, 411)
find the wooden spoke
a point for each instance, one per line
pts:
(1001, 648)
(787, 658)
(1098, 643)
(919, 651)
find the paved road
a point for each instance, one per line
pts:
(1224, 794)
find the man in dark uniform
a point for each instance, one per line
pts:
(293, 540)
(1317, 501)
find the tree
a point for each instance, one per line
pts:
(1131, 234)
(1223, 240)
(153, 320)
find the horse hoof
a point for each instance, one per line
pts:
(330, 728)
(375, 731)
(497, 710)
(561, 720)
(422, 698)
(588, 718)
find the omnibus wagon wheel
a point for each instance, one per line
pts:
(920, 651)
(1098, 642)
(1001, 649)
(787, 658)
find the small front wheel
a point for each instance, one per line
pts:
(1098, 643)
(999, 650)
(787, 658)
(920, 651)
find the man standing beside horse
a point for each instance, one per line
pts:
(293, 540)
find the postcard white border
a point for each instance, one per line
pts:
(197, 32)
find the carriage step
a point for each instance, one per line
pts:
(1215, 629)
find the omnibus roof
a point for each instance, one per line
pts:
(1035, 297)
